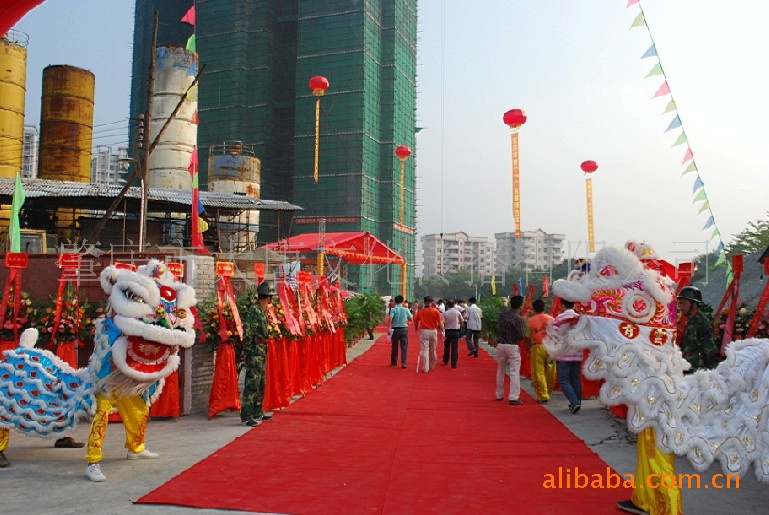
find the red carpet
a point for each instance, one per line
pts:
(381, 439)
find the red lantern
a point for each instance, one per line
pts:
(403, 152)
(589, 166)
(318, 85)
(514, 118)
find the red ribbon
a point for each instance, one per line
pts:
(66, 277)
(225, 293)
(13, 279)
(756, 320)
(293, 325)
(733, 294)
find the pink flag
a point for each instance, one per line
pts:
(664, 90)
(631, 2)
(689, 155)
(190, 16)
(195, 119)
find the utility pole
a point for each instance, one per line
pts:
(145, 158)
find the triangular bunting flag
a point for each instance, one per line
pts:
(676, 123)
(190, 16)
(631, 2)
(670, 107)
(195, 120)
(729, 275)
(700, 196)
(657, 70)
(193, 166)
(721, 259)
(691, 168)
(697, 185)
(688, 156)
(705, 207)
(664, 90)
(681, 140)
(639, 21)
(14, 228)
(710, 223)
(716, 232)
(191, 46)
(192, 94)
(720, 247)
(652, 52)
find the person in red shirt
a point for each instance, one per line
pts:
(428, 321)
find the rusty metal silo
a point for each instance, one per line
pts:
(233, 168)
(175, 70)
(66, 124)
(13, 78)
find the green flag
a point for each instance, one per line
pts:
(14, 229)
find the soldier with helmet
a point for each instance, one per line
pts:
(698, 344)
(255, 356)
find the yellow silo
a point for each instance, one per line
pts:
(66, 124)
(13, 77)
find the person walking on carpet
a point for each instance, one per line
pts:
(428, 321)
(512, 329)
(255, 351)
(569, 365)
(542, 367)
(399, 325)
(473, 337)
(452, 322)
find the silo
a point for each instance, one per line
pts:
(233, 168)
(175, 70)
(66, 124)
(13, 77)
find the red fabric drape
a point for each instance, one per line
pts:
(224, 388)
(67, 352)
(169, 403)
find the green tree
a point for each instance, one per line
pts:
(753, 238)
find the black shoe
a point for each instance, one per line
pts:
(516, 402)
(404, 366)
(575, 409)
(251, 423)
(4, 463)
(68, 443)
(629, 507)
(471, 354)
(476, 354)
(542, 401)
(267, 416)
(393, 364)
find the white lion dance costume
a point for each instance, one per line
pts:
(136, 348)
(627, 318)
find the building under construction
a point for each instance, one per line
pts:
(259, 56)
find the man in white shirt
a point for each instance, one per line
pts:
(452, 322)
(474, 316)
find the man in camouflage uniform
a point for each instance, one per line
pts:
(255, 353)
(698, 344)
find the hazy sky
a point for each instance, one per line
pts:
(576, 69)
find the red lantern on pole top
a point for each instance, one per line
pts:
(514, 118)
(403, 152)
(318, 85)
(589, 166)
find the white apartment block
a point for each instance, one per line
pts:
(451, 252)
(29, 152)
(534, 250)
(107, 166)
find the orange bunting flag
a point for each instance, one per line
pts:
(664, 90)
(190, 16)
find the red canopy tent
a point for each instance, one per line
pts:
(354, 247)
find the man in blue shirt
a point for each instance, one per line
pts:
(399, 329)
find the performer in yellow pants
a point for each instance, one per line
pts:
(542, 367)
(5, 437)
(656, 491)
(135, 414)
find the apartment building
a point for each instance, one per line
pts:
(533, 250)
(450, 252)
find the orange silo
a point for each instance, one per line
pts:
(66, 124)
(13, 77)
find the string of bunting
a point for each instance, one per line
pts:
(689, 164)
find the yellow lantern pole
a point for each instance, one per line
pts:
(516, 181)
(402, 214)
(317, 138)
(404, 275)
(590, 228)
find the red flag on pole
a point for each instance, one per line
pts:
(190, 16)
